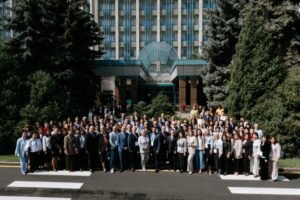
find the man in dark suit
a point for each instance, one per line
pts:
(91, 148)
(171, 144)
(122, 148)
(132, 146)
(156, 149)
(164, 146)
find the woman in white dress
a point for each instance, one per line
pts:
(144, 145)
(256, 152)
(274, 157)
(191, 144)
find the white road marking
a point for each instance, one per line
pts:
(264, 191)
(30, 198)
(248, 178)
(61, 173)
(48, 185)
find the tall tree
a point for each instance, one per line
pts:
(80, 51)
(31, 41)
(11, 99)
(255, 69)
(225, 22)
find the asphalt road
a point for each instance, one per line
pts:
(144, 186)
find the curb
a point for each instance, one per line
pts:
(4, 163)
(281, 170)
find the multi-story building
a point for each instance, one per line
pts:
(5, 13)
(149, 46)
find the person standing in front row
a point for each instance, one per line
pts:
(255, 154)
(156, 150)
(123, 148)
(275, 156)
(55, 148)
(144, 145)
(113, 142)
(238, 153)
(33, 148)
(200, 151)
(264, 160)
(181, 151)
(20, 152)
(70, 150)
(217, 152)
(247, 153)
(132, 146)
(91, 148)
(191, 144)
(171, 144)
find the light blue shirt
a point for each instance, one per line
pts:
(20, 147)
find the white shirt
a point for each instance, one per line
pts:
(181, 145)
(34, 145)
(218, 147)
(144, 143)
(46, 144)
(256, 148)
(199, 144)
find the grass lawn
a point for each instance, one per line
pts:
(289, 163)
(9, 158)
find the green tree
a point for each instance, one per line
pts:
(78, 71)
(11, 100)
(33, 40)
(160, 104)
(224, 27)
(255, 70)
(45, 102)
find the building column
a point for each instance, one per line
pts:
(179, 29)
(137, 28)
(96, 17)
(117, 90)
(200, 26)
(194, 92)
(158, 21)
(117, 27)
(182, 94)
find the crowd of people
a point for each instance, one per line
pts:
(207, 142)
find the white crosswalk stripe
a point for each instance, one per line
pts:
(30, 198)
(264, 191)
(248, 178)
(61, 173)
(48, 185)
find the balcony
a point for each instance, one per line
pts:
(196, 11)
(163, 28)
(175, 12)
(175, 28)
(154, 28)
(175, 44)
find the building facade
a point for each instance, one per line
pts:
(149, 46)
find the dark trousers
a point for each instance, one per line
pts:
(246, 165)
(132, 159)
(82, 161)
(217, 161)
(156, 160)
(181, 160)
(123, 154)
(70, 162)
(224, 163)
(264, 175)
(238, 165)
(172, 159)
(92, 160)
(34, 161)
